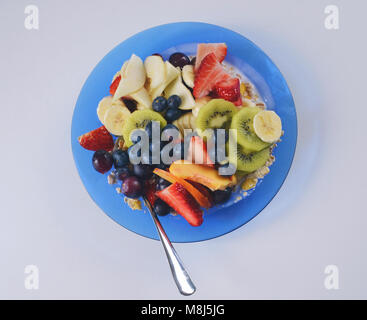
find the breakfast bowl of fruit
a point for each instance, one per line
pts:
(194, 118)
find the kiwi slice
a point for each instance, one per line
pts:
(243, 122)
(216, 114)
(249, 161)
(138, 120)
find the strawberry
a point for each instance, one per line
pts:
(209, 73)
(115, 83)
(149, 190)
(98, 139)
(228, 90)
(198, 152)
(219, 49)
(180, 200)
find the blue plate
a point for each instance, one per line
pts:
(245, 56)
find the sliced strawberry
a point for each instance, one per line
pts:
(219, 49)
(98, 139)
(115, 83)
(198, 152)
(228, 90)
(180, 200)
(209, 73)
(198, 196)
(149, 191)
(204, 190)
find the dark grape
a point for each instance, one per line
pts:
(193, 61)
(179, 59)
(174, 101)
(221, 196)
(143, 171)
(159, 104)
(102, 161)
(161, 208)
(132, 187)
(120, 158)
(173, 114)
(122, 173)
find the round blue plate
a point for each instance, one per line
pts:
(245, 56)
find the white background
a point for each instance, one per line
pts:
(47, 218)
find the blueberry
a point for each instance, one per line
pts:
(173, 114)
(174, 101)
(221, 196)
(161, 208)
(159, 104)
(143, 171)
(133, 156)
(179, 151)
(162, 184)
(166, 135)
(122, 173)
(120, 158)
(136, 137)
(149, 129)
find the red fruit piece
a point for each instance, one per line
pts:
(149, 190)
(198, 152)
(209, 73)
(204, 190)
(178, 198)
(115, 83)
(219, 49)
(98, 139)
(228, 90)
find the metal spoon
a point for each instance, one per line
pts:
(180, 275)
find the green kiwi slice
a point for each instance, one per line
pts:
(249, 161)
(138, 120)
(216, 114)
(243, 122)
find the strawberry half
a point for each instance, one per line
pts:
(115, 83)
(180, 200)
(219, 49)
(209, 73)
(98, 139)
(228, 90)
(198, 152)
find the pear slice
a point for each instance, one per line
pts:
(133, 77)
(143, 99)
(171, 74)
(178, 88)
(156, 72)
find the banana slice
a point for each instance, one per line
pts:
(115, 117)
(103, 106)
(188, 75)
(267, 126)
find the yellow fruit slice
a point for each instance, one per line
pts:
(103, 106)
(267, 126)
(114, 119)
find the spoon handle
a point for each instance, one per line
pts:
(180, 275)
